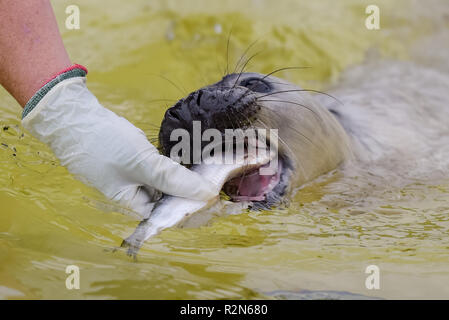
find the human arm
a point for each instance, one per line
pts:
(96, 145)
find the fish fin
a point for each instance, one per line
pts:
(133, 246)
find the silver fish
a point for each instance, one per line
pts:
(171, 211)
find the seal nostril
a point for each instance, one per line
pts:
(173, 114)
(198, 99)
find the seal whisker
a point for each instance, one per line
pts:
(227, 51)
(247, 118)
(295, 103)
(154, 127)
(284, 144)
(244, 54)
(230, 120)
(183, 91)
(302, 90)
(244, 66)
(282, 83)
(152, 137)
(282, 69)
(299, 132)
(153, 141)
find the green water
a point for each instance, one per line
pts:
(323, 241)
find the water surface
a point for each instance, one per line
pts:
(333, 228)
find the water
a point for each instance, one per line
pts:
(335, 226)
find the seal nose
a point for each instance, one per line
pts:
(215, 107)
(216, 101)
(211, 106)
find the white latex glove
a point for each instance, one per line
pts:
(107, 151)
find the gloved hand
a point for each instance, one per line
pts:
(107, 151)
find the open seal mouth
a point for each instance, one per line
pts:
(252, 185)
(263, 183)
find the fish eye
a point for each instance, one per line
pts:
(256, 84)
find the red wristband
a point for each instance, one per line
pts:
(75, 66)
(74, 71)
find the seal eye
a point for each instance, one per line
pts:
(256, 84)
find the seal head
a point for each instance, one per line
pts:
(310, 140)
